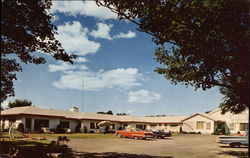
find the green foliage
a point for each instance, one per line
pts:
(26, 29)
(108, 112)
(85, 130)
(122, 114)
(19, 103)
(210, 42)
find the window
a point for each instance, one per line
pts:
(11, 121)
(159, 124)
(40, 123)
(64, 124)
(125, 125)
(243, 126)
(139, 126)
(28, 123)
(208, 125)
(166, 124)
(173, 125)
(112, 126)
(92, 125)
(199, 125)
(231, 126)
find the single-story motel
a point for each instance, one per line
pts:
(33, 118)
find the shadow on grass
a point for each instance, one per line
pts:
(31, 149)
(241, 154)
(114, 154)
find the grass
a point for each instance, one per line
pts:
(72, 135)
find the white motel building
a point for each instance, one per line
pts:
(33, 118)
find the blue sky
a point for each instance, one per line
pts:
(114, 69)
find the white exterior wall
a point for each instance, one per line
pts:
(189, 125)
(229, 118)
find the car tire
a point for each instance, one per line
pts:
(136, 137)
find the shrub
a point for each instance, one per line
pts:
(20, 127)
(85, 130)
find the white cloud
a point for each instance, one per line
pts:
(130, 34)
(87, 8)
(102, 31)
(4, 104)
(80, 60)
(143, 96)
(65, 67)
(74, 39)
(94, 81)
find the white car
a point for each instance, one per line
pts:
(234, 141)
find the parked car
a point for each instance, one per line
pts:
(234, 141)
(134, 133)
(160, 134)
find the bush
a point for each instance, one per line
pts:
(20, 127)
(85, 130)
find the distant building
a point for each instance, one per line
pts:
(34, 118)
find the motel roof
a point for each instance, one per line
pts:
(35, 111)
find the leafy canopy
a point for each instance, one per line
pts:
(209, 38)
(26, 29)
(19, 103)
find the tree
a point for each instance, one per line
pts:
(209, 42)
(122, 114)
(26, 29)
(19, 103)
(108, 112)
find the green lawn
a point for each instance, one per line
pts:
(72, 135)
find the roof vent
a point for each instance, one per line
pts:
(74, 109)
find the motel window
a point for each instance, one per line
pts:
(112, 126)
(11, 121)
(40, 123)
(208, 125)
(159, 124)
(199, 125)
(28, 123)
(125, 125)
(152, 125)
(231, 126)
(92, 125)
(243, 126)
(64, 124)
(139, 126)
(173, 125)
(166, 124)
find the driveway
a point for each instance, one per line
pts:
(186, 145)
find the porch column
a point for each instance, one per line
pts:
(32, 124)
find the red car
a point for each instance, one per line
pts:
(134, 133)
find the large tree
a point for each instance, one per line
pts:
(209, 38)
(26, 29)
(19, 103)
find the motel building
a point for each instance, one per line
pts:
(34, 118)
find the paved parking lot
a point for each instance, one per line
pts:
(188, 146)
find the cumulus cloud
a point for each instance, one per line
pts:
(103, 31)
(65, 67)
(94, 81)
(143, 96)
(74, 39)
(80, 60)
(86, 8)
(4, 104)
(130, 34)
